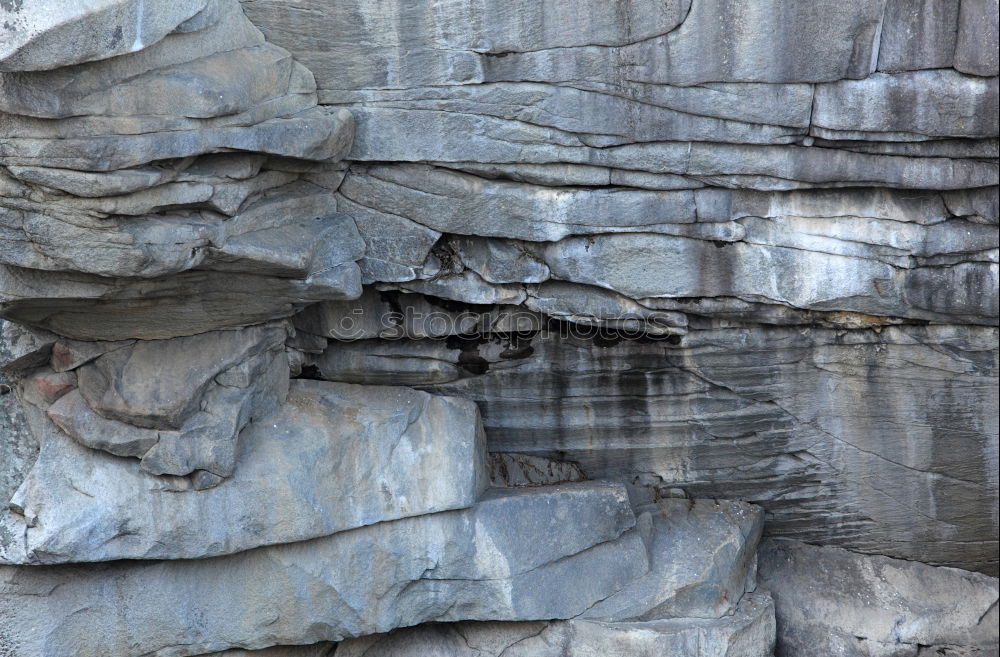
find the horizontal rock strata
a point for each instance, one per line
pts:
(299, 475)
(479, 328)
(505, 559)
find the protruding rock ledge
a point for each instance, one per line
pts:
(523, 554)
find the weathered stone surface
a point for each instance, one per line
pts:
(323, 649)
(730, 249)
(18, 446)
(91, 307)
(939, 103)
(595, 114)
(978, 31)
(45, 35)
(747, 633)
(702, 561)
(844, 436)
(831, 601)
(313, 134)
(463, 44)
(918, 35)
(41, 93)
(152, 384)
(508, 470)
(645, 265)
(507, 558)
(335, 457)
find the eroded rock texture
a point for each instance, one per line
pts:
(520, 323)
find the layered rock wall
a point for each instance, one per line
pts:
(325, 319)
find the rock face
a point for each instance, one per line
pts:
(520, 323)
(906, 608)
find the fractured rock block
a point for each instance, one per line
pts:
(333, 458)
(513, 556)
(45, 35)
(157, 384)
(831, 601)
(702, 560)
(749, 632)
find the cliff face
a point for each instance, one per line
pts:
(799, 196)
(331, 317)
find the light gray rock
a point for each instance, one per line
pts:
(40, 93)
(647, 265)
(510, 557)
(594, 306)
(46, 35)
(289, 231)
(151, 383)
(841, 40)
(844, 435)
(478, 42)
(357, 456)
(938, 103)
(311, 134)
(918, 35)
(98, 308)
(499, 261)
(467, 287)
(837, 602)
(978, 31)
(19, 447)
(655, 112)
(324, 649)
(702, 562)
(748, 633)
(448, 201)
(444, 45)
(384, 135)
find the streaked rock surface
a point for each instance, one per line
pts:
(676, 252)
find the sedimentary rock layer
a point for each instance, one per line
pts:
(510, 557)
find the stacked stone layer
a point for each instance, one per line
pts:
(333, 318)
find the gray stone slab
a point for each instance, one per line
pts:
(508, 558)
(333, 458)
(838, 602)
(46, 35)
(747, 633)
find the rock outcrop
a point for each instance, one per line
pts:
(480, 329)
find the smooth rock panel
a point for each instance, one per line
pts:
(511, 557)
(354, 45)
(831, 601)
(647, 265)
(918, 35)
(939, 103)
(976, 50)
